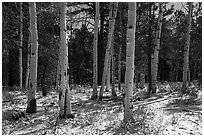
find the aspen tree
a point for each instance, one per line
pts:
(31, 107)
(108, 77)
(149, 50)
(186, 49)
(120, 51)
(28, 65)
(20, 47)
(130, 56)
(119, 67)
(95, 54)
(27, 80)
(58, 69)
(113, 70)
(64, 95)
(27, 71)
(112, 14)
(156, 49)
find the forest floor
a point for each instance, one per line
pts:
(168, 112)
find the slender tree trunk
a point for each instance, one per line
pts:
(58, 73)
(186, 50)
(119, 67)
(11, 80)
(31, 107)
(108, 50)
(108, 77)
(64, 95)
(149, 52)
(113, 69)
(95, 54)
(189, 75)
(130, 56)
(172, 73)
(176, 73)
(195, 70)
(20, 47)
(101, 43)
(156, 50)
(120, 51)
(43, 85)
(136, 78)
(142, 80)
(28, 63)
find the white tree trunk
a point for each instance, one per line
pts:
(120, 50)
(58, 71)
(112, 15)
(64, 95)
(31, 107)
(130, 55)
(108, 73)
(156, 49)
(20, 47)
(119, 67)
(27, 82)
(113, 70)
(28, 66)
(95, 54)
(186, 49)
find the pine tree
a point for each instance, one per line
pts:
(130, 55)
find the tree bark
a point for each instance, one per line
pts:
(27, 82)
(43, 84)
(130, 56)
(112, 15)
(58, 73)
(142, 80)
(186, 50)
(31, 107)
(156, 49)
(20, 47)
(120, 50)
(113, 70)
(108, 77)
(64, 95)
(95, 54)
(101, 43)
(149, 52)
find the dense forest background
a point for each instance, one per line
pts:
(81, 42)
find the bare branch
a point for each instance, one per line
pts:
(8, 9)
(184, 7)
